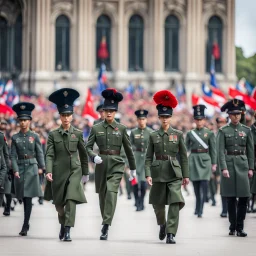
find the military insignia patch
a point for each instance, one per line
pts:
(164, 108)
(141, 112)
(66, 106)
(22, 107)
(171, 137)
(73, 136)
(241, 134)
(175, 138)
(116, 129)
(65, 93)
(31, 139)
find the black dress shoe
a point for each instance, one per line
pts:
(162, 232)
(104, 232)
(62, 232)
(7, 211)
(196, 212)
(67, 237)
(223, 215)
(248, 211)
(170, 239)
(241, 233)
(24, 230)
(41, 200)
(231, 232)
(199, 215)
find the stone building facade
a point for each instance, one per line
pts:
(157, 42)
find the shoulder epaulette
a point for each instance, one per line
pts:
(243, 125)
(178, 131)
(77, 130)
(122, 125)
(155, 131)
(15, 135)
(223, 127)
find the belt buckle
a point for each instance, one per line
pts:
(25, 156)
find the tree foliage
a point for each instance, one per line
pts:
(245, 67)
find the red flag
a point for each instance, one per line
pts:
(216, 51)
(103, 50)
(88, 110)
(195, 99)
(6, 110)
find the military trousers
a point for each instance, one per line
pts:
(237, 212)
(108, 201)
(200, 189)
(224, 204)
(172, 221)
(67, 213)
(139, 191)
(213, 189)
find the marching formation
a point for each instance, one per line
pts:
(163, 160)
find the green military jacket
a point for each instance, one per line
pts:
(139, 140)
(67, 160)
(253, 184)
(171, 144)
(235, 138)
(26, 156)
(4, 148)
(98, 121)
(200, 164)
(112, 136)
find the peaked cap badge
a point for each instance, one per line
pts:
(22, 107)
(65, 93)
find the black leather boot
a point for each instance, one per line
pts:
(104, 232)
(24, 230)
(41, 200)
(62, 232)
(232, 232)
(170, 239)
(241, 233)
(67, 237)
(162, 232)
(7, 210)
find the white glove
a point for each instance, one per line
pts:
(97, 160)
(132, 174)
(85, 178)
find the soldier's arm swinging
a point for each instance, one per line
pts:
(212, 149)
(149, 160)
(250, 150)
(83, 155)
(14, 157)
(90, 143)
(128, 151)
(3, 170)
(39, 153)
(50, 157)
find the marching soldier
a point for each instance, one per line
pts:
(202, 160)
(109, 136)
(139, 139)
(27, 160)
(221, 121)
(162, 169)
(8, 176)
(3, 168)
(66, 163)
(101, 112)
(236, 159)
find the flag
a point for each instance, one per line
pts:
(8, 86)
(6, 110)
(102, 79)
(88, 111)
(216, 50)
(249, 101)
(103, 50)
(213, 95)
(210, 109)
(1, 87)
(213, 81)
(180, 92)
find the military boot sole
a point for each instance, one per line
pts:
(103, 237)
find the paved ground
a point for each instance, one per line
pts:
(132, 233)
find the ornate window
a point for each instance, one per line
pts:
(62, 44)
(10, 45)
(172, 43)
(214, 44)
(103, 42)
(136, 33)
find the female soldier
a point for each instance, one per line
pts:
(109, 136)
(26, 157)
(164, 173)
(66, 162)
(202, 160)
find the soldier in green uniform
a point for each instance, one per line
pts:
(8, 176)
(27, 160)
(202, 160)
(236, 160)
(139, 138)
(66, 163)
(3, 168)
(102, 114)
(221, 121)
(253, 184)
(162, 169)
(109, 136)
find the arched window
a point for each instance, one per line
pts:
(18, 43)
(214, 43)
(3, 44)
(62, 44)
(136, 31)
(172, 43)
(103, 41)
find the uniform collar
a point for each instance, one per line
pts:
(113, 124)
(62, 131)
(24, 134)
(235, 126)
(162, 132)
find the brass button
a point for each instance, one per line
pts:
(235, 130)
(236, 138)
(164, 150)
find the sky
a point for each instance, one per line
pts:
(245, 34)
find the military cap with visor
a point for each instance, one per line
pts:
(234, 106)
(165, 101)
(24, 110)
(112, 98)
(199, 111)
(64, 99)
(141, 113)
(99, 107)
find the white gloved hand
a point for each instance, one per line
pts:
(85, 178)
(97, 160)
(132, 174)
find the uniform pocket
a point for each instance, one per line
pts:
(73, 144)
(155, 166)
(177, 168)
(229, 139)
(100, 139)
(242, 140)
(157, 146)
(58, 145)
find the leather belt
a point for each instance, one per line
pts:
(140, 149)
(110, 152)
(25, 157)
(199, 151)
(236, 152)
(165, 157)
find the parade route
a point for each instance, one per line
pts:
(132, 233)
